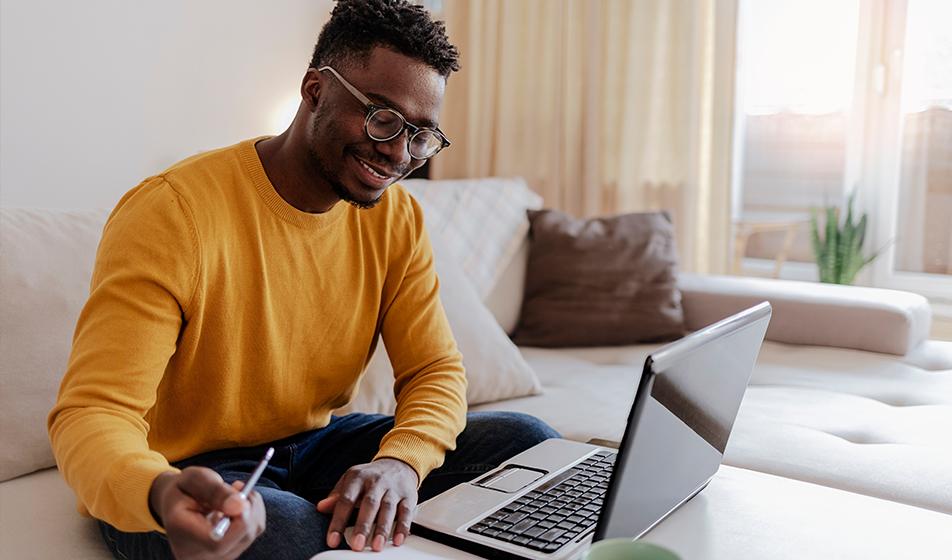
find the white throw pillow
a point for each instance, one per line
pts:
(495, 369)
(482, 222)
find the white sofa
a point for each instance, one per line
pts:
(847, 422)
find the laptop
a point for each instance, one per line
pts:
(553, 500)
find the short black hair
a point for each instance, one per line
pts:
(357, 26)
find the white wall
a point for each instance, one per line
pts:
(97, 95)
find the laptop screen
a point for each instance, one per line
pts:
(680, 422)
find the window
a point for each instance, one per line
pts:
(837, 97)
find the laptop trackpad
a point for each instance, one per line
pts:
(510, 479)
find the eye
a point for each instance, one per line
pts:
(385, 123)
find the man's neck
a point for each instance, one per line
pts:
(289, 168)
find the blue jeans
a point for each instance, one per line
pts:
(306, 467)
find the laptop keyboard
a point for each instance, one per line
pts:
(556, 512)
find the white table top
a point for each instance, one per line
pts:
(745, 514)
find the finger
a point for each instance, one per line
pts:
(405, 512)
(258, 513)
(207, 488)
(385, 517)
(345, 499)
(187, 521)
(249, 526)
(240, 535)
(327, 504)
(369, 505)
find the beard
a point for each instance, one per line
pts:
(332, 179)
(341, 191)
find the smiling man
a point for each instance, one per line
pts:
(235, 303)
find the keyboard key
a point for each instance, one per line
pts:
(538, 545)
(515, 517)
(522, 526)
(551, 547)
(521, 540)
(534, 532)
(552, 534)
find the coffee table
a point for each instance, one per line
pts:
(745, 514)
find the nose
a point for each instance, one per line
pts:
(395, 150)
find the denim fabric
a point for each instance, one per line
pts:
(306, 467)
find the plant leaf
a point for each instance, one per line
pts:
(829, 260)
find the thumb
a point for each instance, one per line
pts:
(207, 487)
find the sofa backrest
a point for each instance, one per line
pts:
(46, 261)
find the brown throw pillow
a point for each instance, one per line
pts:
(600, 282)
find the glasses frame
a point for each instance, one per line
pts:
(373, 108)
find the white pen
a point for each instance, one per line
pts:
(223, 521)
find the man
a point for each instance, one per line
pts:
(235, 302)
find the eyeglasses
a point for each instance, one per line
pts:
(383, 124)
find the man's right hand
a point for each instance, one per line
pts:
(182, 500)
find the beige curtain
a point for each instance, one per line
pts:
(604, 106)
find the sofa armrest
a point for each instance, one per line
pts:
(874, 319)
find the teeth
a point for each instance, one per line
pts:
(372, 172)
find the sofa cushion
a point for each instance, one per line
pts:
(495, 369)
(44, 281)
(38, 519)
(859, 421)
(598, 282)
(481, 221)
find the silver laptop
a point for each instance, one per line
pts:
(552, 500)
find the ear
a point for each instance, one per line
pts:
(311, 88)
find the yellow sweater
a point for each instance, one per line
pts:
(221, 316)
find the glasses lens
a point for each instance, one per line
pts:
(384, 124)
(424, 144)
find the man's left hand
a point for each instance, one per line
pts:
(385, 494)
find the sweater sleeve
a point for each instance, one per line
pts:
(429, 384)
(144, 278)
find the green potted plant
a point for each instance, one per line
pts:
(839, 249)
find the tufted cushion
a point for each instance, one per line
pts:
(864, 422)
